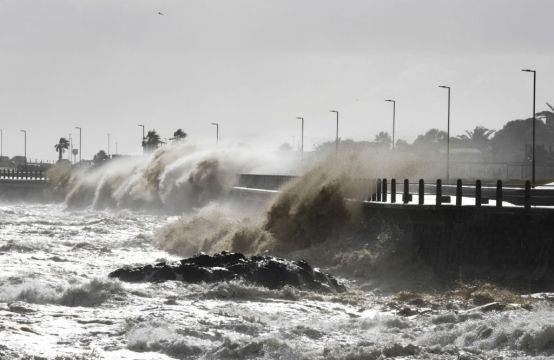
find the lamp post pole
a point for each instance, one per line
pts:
(1, 142)
(25, 146)
(216, 133)
(447, 137)
(142, 142)
(80, 143)
(337, 133)
(534, 123)
(301, 138)
(393, 119)
(108, 145)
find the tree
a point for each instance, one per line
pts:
(100, 157)
(383, 139)
(433, 140)
(61, 146)
(479, 137)
(179, 134)
(513, 143)
(401, 144)
(285, 147)
(151, 141)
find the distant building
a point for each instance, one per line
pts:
(19, 161)
(6, 163)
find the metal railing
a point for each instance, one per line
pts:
(522, 195)
(35, 175)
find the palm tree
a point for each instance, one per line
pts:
(151, 141)
(61, 146)
(179, 134)
(479, 137)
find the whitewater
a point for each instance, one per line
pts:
(57, 302)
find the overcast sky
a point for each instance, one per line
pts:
(254, 65)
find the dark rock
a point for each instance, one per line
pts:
(268, 271)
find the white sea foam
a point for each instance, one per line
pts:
(90, 293)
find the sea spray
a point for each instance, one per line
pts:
(178, 177)
(318, 217)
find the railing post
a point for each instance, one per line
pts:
(372, 189)
(527, 195)
(421, 192)
(478, 196)
(499, 193)
(378, 189)
(438, 193)
(459, 192)
(393, 191)
(384, 188)
(406, 195)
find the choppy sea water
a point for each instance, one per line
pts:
(56, 302)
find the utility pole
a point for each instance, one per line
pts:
(302, 138)
(447, 137)
(25, 146)
(80, 143)
(337, 133)
(534, 122)
(142, 143)
(216, 133)
(393, 119)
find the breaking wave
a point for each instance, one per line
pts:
(91, 293)
(315, 217)
(174, 178)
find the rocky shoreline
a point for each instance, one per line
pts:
(267, 271)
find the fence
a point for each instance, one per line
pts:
(526, 195)
(37, 175)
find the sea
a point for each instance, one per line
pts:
(57, 301)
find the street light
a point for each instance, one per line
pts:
(80, 148)
(108, 144)
(302, 137)
(393, 118)
(447, 137)
(25, 146)
(337, 134)
(142, 143)
(70, 148)
(534, 121)
(1, 142)
(216, 132)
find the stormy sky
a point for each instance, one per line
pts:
(254, 65)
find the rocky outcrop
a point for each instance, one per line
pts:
(267, 271)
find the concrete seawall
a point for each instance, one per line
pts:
(506, 244)
(510, 244)
(24, 190)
